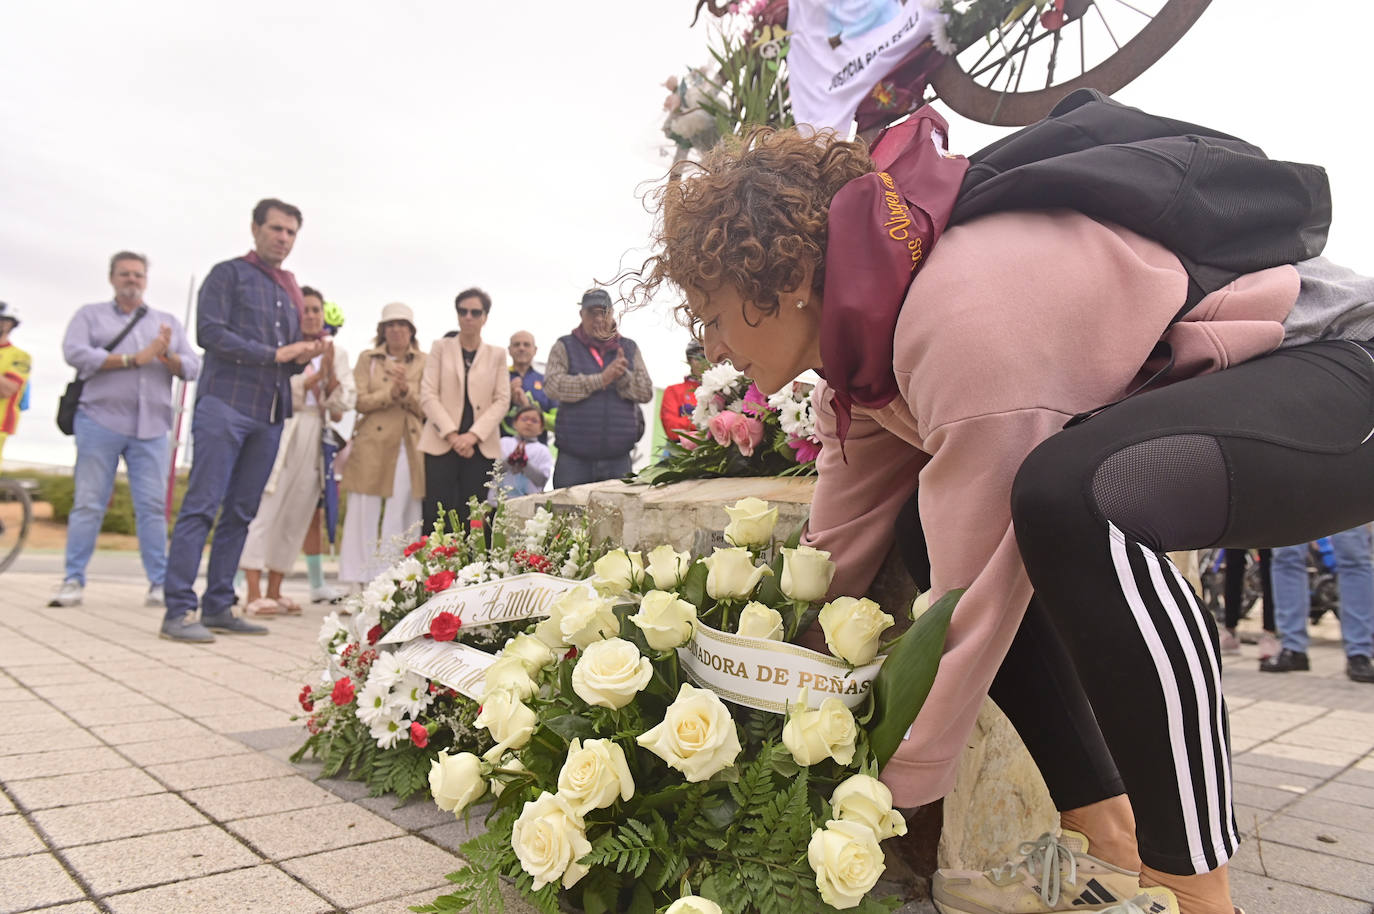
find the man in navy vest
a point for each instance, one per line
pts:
(599, 379)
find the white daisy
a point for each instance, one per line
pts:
(373, 702)
(330, 627)
(411, 695)
(388, 669)
(389, 731)
(474, 573)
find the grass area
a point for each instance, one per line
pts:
(59, 491)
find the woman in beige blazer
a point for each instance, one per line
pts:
(384, 475)
(464, 393)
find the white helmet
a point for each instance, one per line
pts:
(8, 314)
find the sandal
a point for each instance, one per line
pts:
(289, 606)
(262, 606)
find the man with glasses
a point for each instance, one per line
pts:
(125, 411)
(526, 384)
(599, 380)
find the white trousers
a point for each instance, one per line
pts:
(278, 529)
(377, 529)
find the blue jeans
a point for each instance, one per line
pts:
(1354, 577)
(571, 470)
(97, 458)
(233, 459)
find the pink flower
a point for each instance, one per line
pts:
(722, 426)
(747, 433)
(807, 450)
(755, 403)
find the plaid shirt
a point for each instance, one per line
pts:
(243, 318)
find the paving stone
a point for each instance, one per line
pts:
(452, 835)
(80, 907)
(1319, 837)
(1331, 757)
(6, 807)
(418, 813)
(35, 881)
(74, 789)
(246, 723)
(308, 831)
(1269, 777)
(121, 714)
(260, 890)
(1263, 797)
(1357, 818)
(1361, 777)
(1262, 758)
(69, 761)
(348, 877)
(1348, 878)
(17, 839)
(257, 798)
(176, 729)
(112, 819)
(156, 753)
(50, 740)
(272, 737)
(1262, 895)
(213, 772)
(33, 721)
(1347, 793)
(146, 860)
(340, 787)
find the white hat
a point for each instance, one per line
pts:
(396, 311)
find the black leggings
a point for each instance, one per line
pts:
(1114, 678)
(1234, 598)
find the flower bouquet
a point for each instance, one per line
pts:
(673, 748)
(740, 432)
(386, 705)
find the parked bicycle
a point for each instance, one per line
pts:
(16, 516)
(1321, 577)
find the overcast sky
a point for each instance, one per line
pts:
(438, 145)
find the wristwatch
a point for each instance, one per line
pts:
(128, 360)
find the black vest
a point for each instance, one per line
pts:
(604, 424)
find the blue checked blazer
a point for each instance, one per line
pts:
(243, 318)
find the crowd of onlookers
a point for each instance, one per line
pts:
(431, 429)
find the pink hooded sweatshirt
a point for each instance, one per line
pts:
(1017, 322)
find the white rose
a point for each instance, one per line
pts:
(867, 800)
(549, 838)
(611, 673)
(549, 632)
(506, 718)
(533, 653)
(618, 572)
(594, 774)
(815, 734)
(508, 673)
(847, 861)
(852, 628)
(732, 575)
(668, 567)
(585, 616)
(751, 522)
(455, 781)
(697, 736)
(806, 574)
(759, 621)
(510, 763)
(666, 621)
(693, 904)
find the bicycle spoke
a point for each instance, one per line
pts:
(1135, 8)
(1034, 21)
(1107, 26)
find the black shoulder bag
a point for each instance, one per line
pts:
(71, 397)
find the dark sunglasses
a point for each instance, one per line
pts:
(470, 312)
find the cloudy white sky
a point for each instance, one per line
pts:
(436, 145)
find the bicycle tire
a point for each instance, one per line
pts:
(11, 490)
(960, 92)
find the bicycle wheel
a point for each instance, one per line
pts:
(16, 514)
(1024, 67)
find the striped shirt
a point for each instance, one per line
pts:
(243, 318)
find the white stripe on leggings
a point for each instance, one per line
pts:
(1231, 840)
(1207, 739)
(1169, 690)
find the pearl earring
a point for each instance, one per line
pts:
(800, 305)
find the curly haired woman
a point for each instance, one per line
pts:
(954, 362)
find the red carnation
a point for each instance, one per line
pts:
(447, 552)
(343, 692)
(312, 725)
(438, 581)
(374, 634)
(419, 735)
(304, 699)
(416, 546)
(444, 627)
(476, 523)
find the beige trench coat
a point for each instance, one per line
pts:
(381, 422)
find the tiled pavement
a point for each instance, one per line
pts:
(138, 776)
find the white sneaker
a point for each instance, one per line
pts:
(68, 594)
(326, 594)
(154, 597)
(1052, 874)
